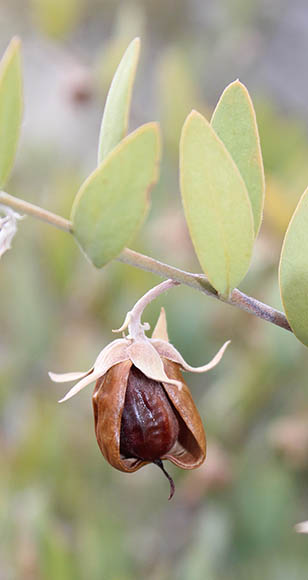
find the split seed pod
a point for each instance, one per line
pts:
(143, 409)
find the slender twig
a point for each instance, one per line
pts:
(34, 210)
(197, 281)
(200, 282)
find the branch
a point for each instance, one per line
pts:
(200, 282)
(197, 281)
(34, 210)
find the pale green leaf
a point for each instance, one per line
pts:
(234, 121)
(116, 112)
(11, 106)
(112, 203)
(216, 205)
(293, 271)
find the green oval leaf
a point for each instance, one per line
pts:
(216, 205)
(112, 203)
(115, 116)
(234, 121)
(10, 107)
(293, 271)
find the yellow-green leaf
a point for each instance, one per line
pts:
(234, 121)
(112, 203)
(216, 205)
(116, 112)
(10, 107)
(293, 271)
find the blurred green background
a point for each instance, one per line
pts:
(65, 514)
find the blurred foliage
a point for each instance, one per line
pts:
(56, 18)
(177, 91)
(64, 513)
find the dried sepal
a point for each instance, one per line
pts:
(145, 357)
(167, 351)
(112, 354)
(160, 331)
(190, 449)
(108, 404)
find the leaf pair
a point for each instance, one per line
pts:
(112, 203)
(222, 181)
(222, 184)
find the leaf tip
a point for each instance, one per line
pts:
(134, 47)
(237, 84)
(15, 42)
(13, 48)
(136, 42)
(194, 113)
(192, 116)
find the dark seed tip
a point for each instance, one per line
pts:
(159, 463)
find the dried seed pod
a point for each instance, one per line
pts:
(139, 421)
(143, 410)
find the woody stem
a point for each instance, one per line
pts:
(197, 281)
(34, 210)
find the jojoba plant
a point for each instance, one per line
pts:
(143, 409)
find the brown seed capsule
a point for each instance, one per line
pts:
(143, 410)
(139, 421)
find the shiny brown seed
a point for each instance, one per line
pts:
(149, 425)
